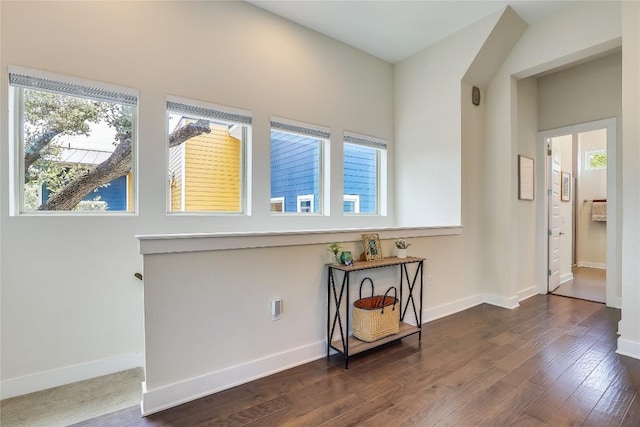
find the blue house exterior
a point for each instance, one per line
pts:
(295, 172)
(295, 169)
(114, 194)
(360, 170)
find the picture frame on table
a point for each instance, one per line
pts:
(371, 246)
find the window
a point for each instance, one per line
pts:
(296, 165)
(277, 204)
(596, 160)
(305, 203)
(207, 147)
(364, 169)
(351, 203)
(75, 144)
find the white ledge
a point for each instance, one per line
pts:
(196, 242)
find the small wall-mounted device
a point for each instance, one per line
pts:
(276, 309)
(475, 95)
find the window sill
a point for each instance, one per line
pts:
(197, 242)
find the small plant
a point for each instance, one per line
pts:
(402, 244)
(334, 248)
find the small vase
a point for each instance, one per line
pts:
(402, 253)
(336, 259)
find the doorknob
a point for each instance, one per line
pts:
(561, 233)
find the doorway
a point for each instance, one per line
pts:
(580, 211)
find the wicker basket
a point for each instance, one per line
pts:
(375, 317)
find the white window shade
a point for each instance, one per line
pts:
(73, 89)
(225, 114)
(365, 141)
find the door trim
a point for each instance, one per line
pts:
(614, 238)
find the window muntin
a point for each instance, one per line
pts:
(296, 165)
(207, 160)
(75, 144)
(595, 160)
(363, 166)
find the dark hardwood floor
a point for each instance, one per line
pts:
(550, 362)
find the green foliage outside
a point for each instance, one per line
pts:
(47, 114)
(598, 160)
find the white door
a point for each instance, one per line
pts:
(553, 152)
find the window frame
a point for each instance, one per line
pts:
(380, 147)
(305, 198)
(355, 198)
(276, 200)
(323, 136)
(44, 81)
(589, 155)
(220, 114)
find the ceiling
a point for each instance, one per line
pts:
(393, 30)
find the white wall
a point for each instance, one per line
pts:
(629, 328)
(582, 93)
(207, 314)
(428, 127)
(578, 32)
(524, 241)
(71, 307)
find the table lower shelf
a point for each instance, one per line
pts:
(356, 346)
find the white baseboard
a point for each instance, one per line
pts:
(168, 396)
(449, 308)
(602, 266)
(69, 374)
(628, 348)
(566, 277)
(453, 307)
(615, 303)
(501, 301)
(527, 293)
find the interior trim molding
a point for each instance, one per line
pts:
(628, 348)
(502, 301)
(566, 277)
(172, 243)
(70, 374)
(433, 313)
(587, 264)
(527, 293)
(167, 396)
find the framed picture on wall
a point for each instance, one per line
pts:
(525, 178)
(565, 191)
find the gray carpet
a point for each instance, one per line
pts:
(69, 404)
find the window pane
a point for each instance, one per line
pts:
(596, 160)
(206, 165)
(360, 178)
(76, 151)
(295, 171)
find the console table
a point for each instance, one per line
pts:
(338, 295)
